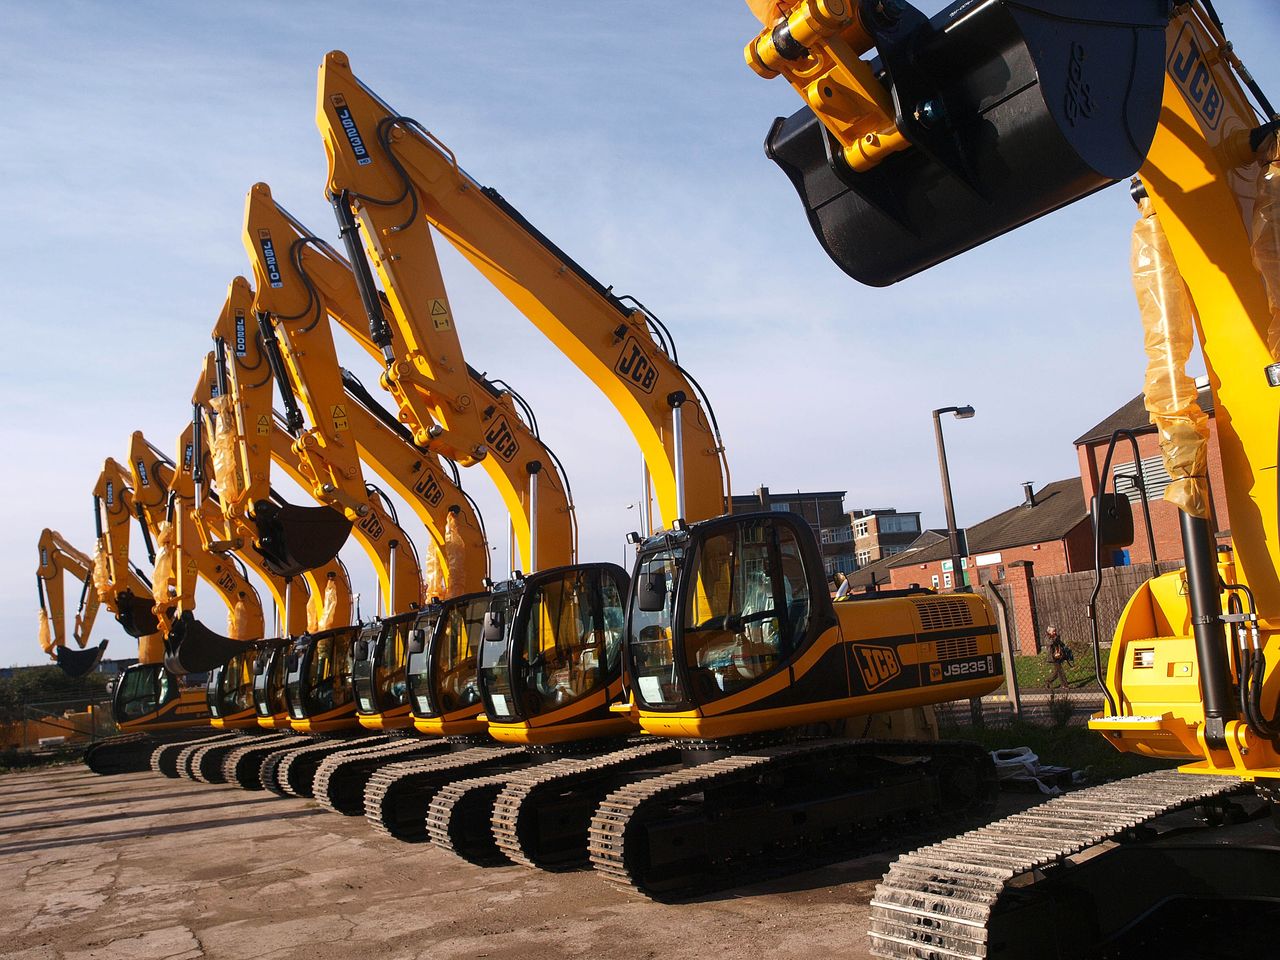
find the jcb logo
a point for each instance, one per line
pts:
(227, 582)
(502, 439)
(142, 474)
(634, 365)
(1189, 72)
(879, 665)
(428, 489)
(188, 455)
(1079, 98)
(372, 526)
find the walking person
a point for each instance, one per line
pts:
(1059, 656)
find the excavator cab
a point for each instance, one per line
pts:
(981, 118)
(444, 648)
(381, 659)
(722, 606)
(318, 685)
(230, 688)
(551, 662)
(269, 670)
(147, 696)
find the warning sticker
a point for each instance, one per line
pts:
(338, 414)
(440, 314)
(264, 426)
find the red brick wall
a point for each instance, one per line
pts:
(1050, 557)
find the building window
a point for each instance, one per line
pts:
(864, 557)
(836, 534)
(783, 507)
(935, 581)
(862, 528)
(893, 523)
(946, 581)
(890, 550)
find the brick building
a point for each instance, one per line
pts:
(1091, 448)
(881, 532)
(1047, 533)
(824, 512)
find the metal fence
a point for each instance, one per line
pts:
(54, 723)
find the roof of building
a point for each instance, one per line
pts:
(1059, 508)
(1133, 416)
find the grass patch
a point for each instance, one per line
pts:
(1032, 672)
(1074, 747)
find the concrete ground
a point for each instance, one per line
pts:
(138, 867)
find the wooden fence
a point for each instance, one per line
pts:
(1062, 600)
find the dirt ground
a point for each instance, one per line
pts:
(138, 867)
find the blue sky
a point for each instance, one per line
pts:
(631, 135)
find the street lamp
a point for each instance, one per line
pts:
(961, 413)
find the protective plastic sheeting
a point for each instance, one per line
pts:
(1266, 236)
(1170, 394)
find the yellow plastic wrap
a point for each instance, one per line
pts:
(454, 549)
(44, 634)
(101, 572)
(433, 584)
(313, 616)
(225, 466)
(330, 611)
(164, 570)
(1266, 236)
(1171, 396)
(767, 11)
(237, 621)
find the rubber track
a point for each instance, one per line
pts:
(291, 772)
(242, 766)
(515, 812)
(165, 758)
(127, 753)
(341, 778)
(936, 903)
(614, 825)
(398, 795)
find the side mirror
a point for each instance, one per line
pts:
(1114, 519)
(417, 640)
(492, 632)
(651, 592)
(360, 649)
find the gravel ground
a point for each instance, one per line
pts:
(138, 867)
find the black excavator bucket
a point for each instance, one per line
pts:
(1012, 110)
(293, 540)
(136, 615)
(76, 663)
(191, 647)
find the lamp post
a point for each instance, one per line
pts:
(957, 571)
(961, 413)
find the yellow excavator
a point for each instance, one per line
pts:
(737, 601)
(969, 124)
(58, 557)
(149, 704)
(325, 461)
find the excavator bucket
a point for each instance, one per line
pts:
(136, 615)
(1011, 110)
(193, 648)
(293, 540)
(76, 663)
